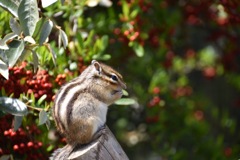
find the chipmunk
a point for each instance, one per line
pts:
(81, 105)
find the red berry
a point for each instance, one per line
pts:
(15, 147)
(6, 133)
(12, 134)
(228, 151)
(22, 145)
(30, 144)
(209, 72)
(199, 115)
(126, 33)
(156, 90)
(40, 144)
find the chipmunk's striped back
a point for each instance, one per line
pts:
(80, 106)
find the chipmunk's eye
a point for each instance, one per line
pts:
(114, 78)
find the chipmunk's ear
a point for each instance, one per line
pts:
(97, 66)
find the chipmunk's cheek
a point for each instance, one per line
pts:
(117, 94)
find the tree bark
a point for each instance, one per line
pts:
(103, 147)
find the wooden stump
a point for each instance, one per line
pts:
(103, 147)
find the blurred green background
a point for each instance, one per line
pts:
(179, 58)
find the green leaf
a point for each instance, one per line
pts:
(16, 47)
(54, 56)
(50, 147)
(28, 16)
(39, 25)
(42, 117)
(3, 42)
(43, 97)
(125, 93)
(35, 61)
(80, 40)
(125, 9)
(104, 41)
(125, 101)
(101, 57)
(45, 31)
(10, 5)
(208, 56)
(4, 69)
(46, 3)
(13, 106)
(138, 49)
(63, 38)
(134, 13)
(89, 38)
(15, 26)
(17, 122)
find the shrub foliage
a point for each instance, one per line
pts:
(180, 60)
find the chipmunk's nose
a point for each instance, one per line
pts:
(123, 85)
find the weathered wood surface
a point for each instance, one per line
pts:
(103, 147)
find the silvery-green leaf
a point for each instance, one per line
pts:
(3, 45)
(48, 124)
(46, 3)
(13, 106)
(42, 117)
(105, 3)
(3, 56)
(16, 48)
(4, 69)
(10, 5)
(73, 66)
(45, 31)
(29, 39)
(14, 25)
(17, 122)
(62, 1)
(28, 16)
(64, 38)
(92, 3)
(59, 40)
(25, 54)
(3, 42)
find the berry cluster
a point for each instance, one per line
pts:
(40, 84)
(22, 80)
(16, 81)
(60, 79)
(19, 142)
(182, 91)
(155, 101)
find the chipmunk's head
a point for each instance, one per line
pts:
(109, 83)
